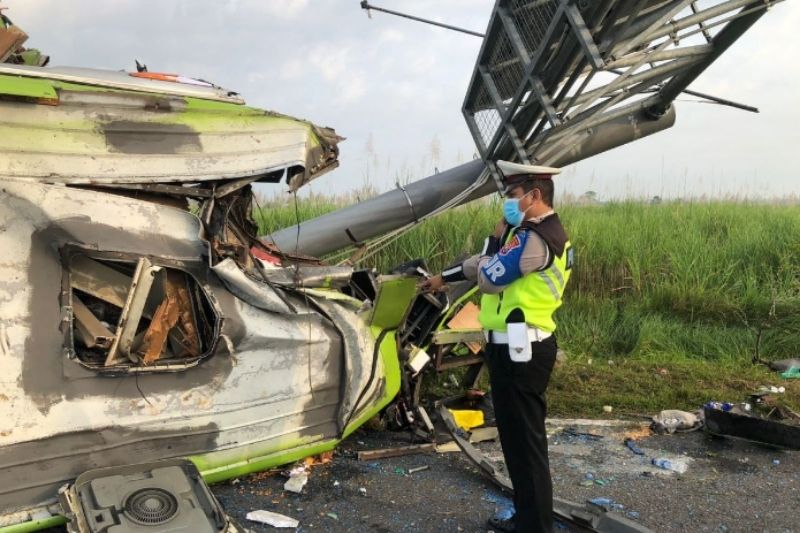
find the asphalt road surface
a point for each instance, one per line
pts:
(729, 485)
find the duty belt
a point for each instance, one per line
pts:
(501, 337)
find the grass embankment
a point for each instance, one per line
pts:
(681, 297)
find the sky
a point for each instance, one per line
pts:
(394, 88)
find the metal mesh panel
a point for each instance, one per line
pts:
(634, 37)
(488, 122)
(482, 99)
(532, 18)
(505, 67)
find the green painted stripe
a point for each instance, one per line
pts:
(27, 87)
(35, 525)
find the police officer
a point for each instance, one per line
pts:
(521, 272)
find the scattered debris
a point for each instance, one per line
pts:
(362, 491)
(783, 365)
(418, 469)
(418, 360)
(772, 388)
(316, 460)
(298, 477)
(792, 373)
(769, 429)
(675, 465)
(272, 519)
(483, 434)
(672, 420)
(448, 447)
(572, 432)
(607, 408)
(776, 462)
(632, 446)
(467, 319)
(607, 503)
(369, 455)
(467, 419)
(333, 515)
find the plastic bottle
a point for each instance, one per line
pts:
(677, 465)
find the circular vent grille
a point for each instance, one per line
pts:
(151, 507)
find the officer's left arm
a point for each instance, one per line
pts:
(497, 271)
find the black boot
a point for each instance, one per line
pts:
(503, 524)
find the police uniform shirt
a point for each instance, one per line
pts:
(514, 260)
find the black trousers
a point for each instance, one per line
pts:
(520, 409)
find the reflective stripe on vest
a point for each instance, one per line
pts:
(538, 294)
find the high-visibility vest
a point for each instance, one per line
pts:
(537, 294)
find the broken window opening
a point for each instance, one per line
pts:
(133, 314)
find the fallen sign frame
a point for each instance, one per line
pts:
(586, 518)
(751, 428)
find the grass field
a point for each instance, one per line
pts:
(679, 297)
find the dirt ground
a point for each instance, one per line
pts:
(729, 486)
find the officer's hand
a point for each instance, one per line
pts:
(432, 284)
(500, 228)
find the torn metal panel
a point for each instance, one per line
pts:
(321, 277)
(139, 138)
(257, 294)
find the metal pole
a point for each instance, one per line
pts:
(715, 99)
(366, 5)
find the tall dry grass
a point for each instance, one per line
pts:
(709, 280)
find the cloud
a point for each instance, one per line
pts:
(292, 69)
(392, 36)
(280, 9)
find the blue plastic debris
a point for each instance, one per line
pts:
(504, 507)
(632, 514)
(632, 446)
(607, 503)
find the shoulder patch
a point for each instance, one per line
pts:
(511, 245)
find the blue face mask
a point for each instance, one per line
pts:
(511, 211)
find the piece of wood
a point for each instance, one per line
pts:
(483, 434)
(164, 319)
(369, 455)
(11, 38)
(448, 447)
(467, 318)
